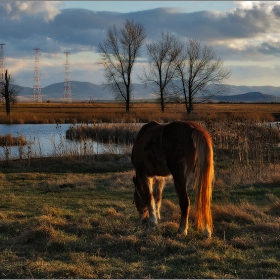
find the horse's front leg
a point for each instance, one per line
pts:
(159, 183)
(152, 196)
(144, 198)
(153, 219)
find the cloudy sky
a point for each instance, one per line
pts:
(245, 34)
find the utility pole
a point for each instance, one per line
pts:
(67, 97)
(37, 97)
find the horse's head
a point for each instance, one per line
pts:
(140, 203)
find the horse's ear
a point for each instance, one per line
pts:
(134, 180)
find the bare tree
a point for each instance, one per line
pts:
(119, 51)
(9, 92)
(199, 70)
(163, 58)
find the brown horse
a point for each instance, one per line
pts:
(178, 149)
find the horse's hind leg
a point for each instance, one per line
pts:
(180, 183)
(159, 183)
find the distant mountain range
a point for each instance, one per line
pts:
(85, 91)
(247, 97)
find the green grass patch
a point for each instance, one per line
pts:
(84, 225)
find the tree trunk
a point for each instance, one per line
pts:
(8, 107)
(7, 96)
(186, 105)
(190, 108)
(186, 99)
(127, 100)
(162, 102)
(127, 105)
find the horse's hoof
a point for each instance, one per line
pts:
(183, 231)
(207, 234)
(145, 221)
(153, 222)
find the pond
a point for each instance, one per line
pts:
(46, 140)
(50, 140)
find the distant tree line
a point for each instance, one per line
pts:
(178, 71)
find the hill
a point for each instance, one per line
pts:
(79, 90)
(89, 91)
(82, 91)
(247, 97)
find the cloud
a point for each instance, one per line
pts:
(248, 5)
(270, 48)
(48, 10)
(81, 28)
(248, 33)
(74, 29)
(276, 10)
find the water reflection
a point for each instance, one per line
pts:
(50, 140)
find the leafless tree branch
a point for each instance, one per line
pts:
(198, 70)
(119, 51)
(163, 56)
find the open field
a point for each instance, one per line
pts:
(72, 216)
(140, 112)
(76, 223)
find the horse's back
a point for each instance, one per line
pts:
(179, 132)
(178, 144)
(160, 148)
(144, 128)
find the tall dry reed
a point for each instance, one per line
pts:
(248, 148)
(122, 133)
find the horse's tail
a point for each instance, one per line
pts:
(204, 173)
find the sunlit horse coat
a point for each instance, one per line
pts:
(178, 149)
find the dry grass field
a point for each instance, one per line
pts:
(73, 217)
(139, 112)
(79, 222)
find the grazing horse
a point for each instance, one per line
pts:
(178, 149)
